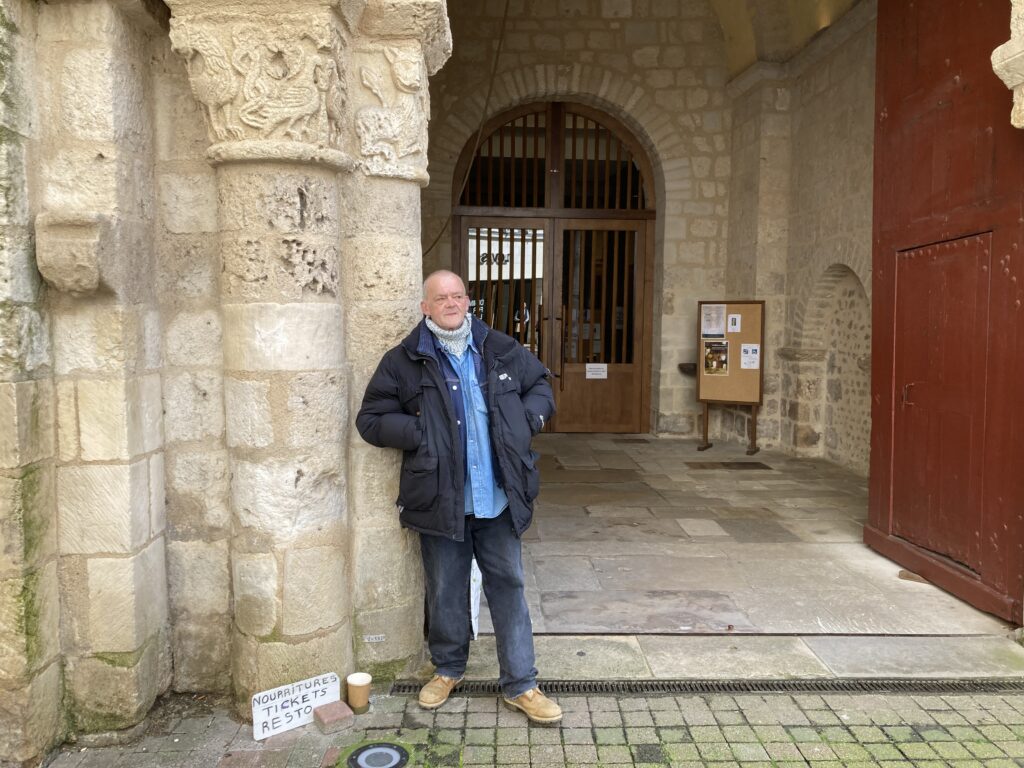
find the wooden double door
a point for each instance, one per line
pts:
(576, 292)
(554, 218)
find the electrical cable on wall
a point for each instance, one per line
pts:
(480, 127)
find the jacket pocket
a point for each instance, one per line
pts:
(531, 476)
(417, 486)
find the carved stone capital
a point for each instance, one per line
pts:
(272, 82)
(1008, 62)
(391, 104)
(423, 20)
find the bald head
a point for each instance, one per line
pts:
(444, 299)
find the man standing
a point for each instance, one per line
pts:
(463, 402)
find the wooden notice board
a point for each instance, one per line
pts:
(730, 352)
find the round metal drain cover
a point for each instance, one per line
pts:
(378, 756)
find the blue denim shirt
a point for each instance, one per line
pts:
(485, 497)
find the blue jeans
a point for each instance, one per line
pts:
(446, 564)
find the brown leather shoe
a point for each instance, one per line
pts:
(436, 692)
(536, 706)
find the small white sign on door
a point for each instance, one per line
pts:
(289, 706)
(597, 370)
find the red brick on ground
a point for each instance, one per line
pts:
(333, 717)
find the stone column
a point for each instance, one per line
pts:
(399, 46)
(30, 669)
(759, 221)
(94, 249)
(1008, 62)
(272, 82)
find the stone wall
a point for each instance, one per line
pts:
(195, 473)
(31, 685)
(830, 243)
(95, 248)
(800, 218)
(659, 67)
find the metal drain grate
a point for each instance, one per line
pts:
(739, 465)
(654, 687)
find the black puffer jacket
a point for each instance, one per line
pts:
(407, 406)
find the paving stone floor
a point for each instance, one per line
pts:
(637, 534)
(752, 730)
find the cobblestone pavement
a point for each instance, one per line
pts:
(964, 731)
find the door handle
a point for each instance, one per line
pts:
(905, 397)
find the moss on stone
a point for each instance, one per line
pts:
(86, 720)
(35, 522)
(29, 617)
(122, 659)
(387, 671)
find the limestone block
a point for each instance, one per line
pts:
(14, 210)
(103, 419)
(19, 278)
(380, 206)
(188, 202)
(29, 623)
(87, 103)
(28, 530)
(193, 406)
(115, 691)
(32, 715)
(152, 348)
(316, 589)
(179, 124)
(382, 268)
(283, 202)
(283, 337)
(127, 599)
(255, 581)
(401, 628)
(202, 655)
(145, 414)
(187, 267)
(616, 9)
(318, 409)
(157, 495)
(193, 338)
(259, 666)
(248, 413)
(386, 567)
(197, 573)
(80, 179)
(94, 337)
(372, 499)
(288, 499)
(67, 421)
(103, 508)
(198, 494)
(24, 341)
(372, 329)
(26, 422)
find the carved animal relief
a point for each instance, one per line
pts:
(254, 82)
(393, 136)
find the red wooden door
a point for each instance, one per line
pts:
(947, 444)
(941, 356)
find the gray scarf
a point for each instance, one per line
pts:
(453, 342)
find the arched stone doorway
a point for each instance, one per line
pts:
(553, 227)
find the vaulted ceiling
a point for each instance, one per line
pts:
(772, 30)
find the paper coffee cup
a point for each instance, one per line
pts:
(359, 692)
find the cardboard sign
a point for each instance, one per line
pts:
(289, 706)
